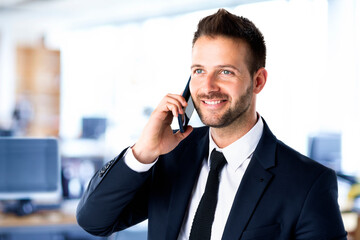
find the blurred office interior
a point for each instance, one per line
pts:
(89, 73)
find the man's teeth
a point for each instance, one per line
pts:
(212, 102)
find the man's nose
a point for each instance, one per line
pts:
(211, 83)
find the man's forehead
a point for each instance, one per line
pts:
(220, 51)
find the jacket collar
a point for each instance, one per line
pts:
(256, 179)
(265, 151)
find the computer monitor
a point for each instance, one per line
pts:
(93, 127)
(29, 170)
(325, 148)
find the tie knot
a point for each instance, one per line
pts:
(217, 160)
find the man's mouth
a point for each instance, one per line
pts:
(213, 102)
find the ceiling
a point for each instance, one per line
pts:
(41, 16)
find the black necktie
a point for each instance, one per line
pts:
(204, 216)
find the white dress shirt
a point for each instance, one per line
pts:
(238, 156)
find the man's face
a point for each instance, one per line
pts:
(221, 85)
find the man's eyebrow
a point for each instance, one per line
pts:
(228, 66)
(196, 66)
(217, 66)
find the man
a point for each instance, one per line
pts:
(261, 190)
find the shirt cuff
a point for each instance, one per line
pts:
(134, 164)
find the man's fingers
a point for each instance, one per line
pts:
(177, 98)
(172, 108)
(173, 103)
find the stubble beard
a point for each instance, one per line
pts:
(231, 115)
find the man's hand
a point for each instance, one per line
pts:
(157, 137)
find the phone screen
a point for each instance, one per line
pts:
(185, 118)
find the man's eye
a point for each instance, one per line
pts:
(226, 72)
(198, 71)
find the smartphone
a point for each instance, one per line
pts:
(185, 118)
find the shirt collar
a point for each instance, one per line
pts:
(242, 149)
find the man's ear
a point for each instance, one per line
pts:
(259, 80)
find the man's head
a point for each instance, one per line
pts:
(227, 71)
(226, 24)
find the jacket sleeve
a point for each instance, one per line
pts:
(320, 217)
(116, 198)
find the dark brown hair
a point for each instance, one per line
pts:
(224, 23)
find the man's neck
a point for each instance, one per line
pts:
(225, 136)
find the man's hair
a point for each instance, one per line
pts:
(224, 23)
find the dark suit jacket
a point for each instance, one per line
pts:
(283, 195)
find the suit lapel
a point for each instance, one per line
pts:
(189, 168)
(253, 185)
(249, 193)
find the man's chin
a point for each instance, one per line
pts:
(215, 119)
(213, 124)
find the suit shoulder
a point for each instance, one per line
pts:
(290, 157)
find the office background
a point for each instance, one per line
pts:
(90, 72)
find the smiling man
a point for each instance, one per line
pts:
(232, 179)
(223, 88)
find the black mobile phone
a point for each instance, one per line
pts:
(185, 118)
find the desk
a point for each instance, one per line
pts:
(42, 225)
